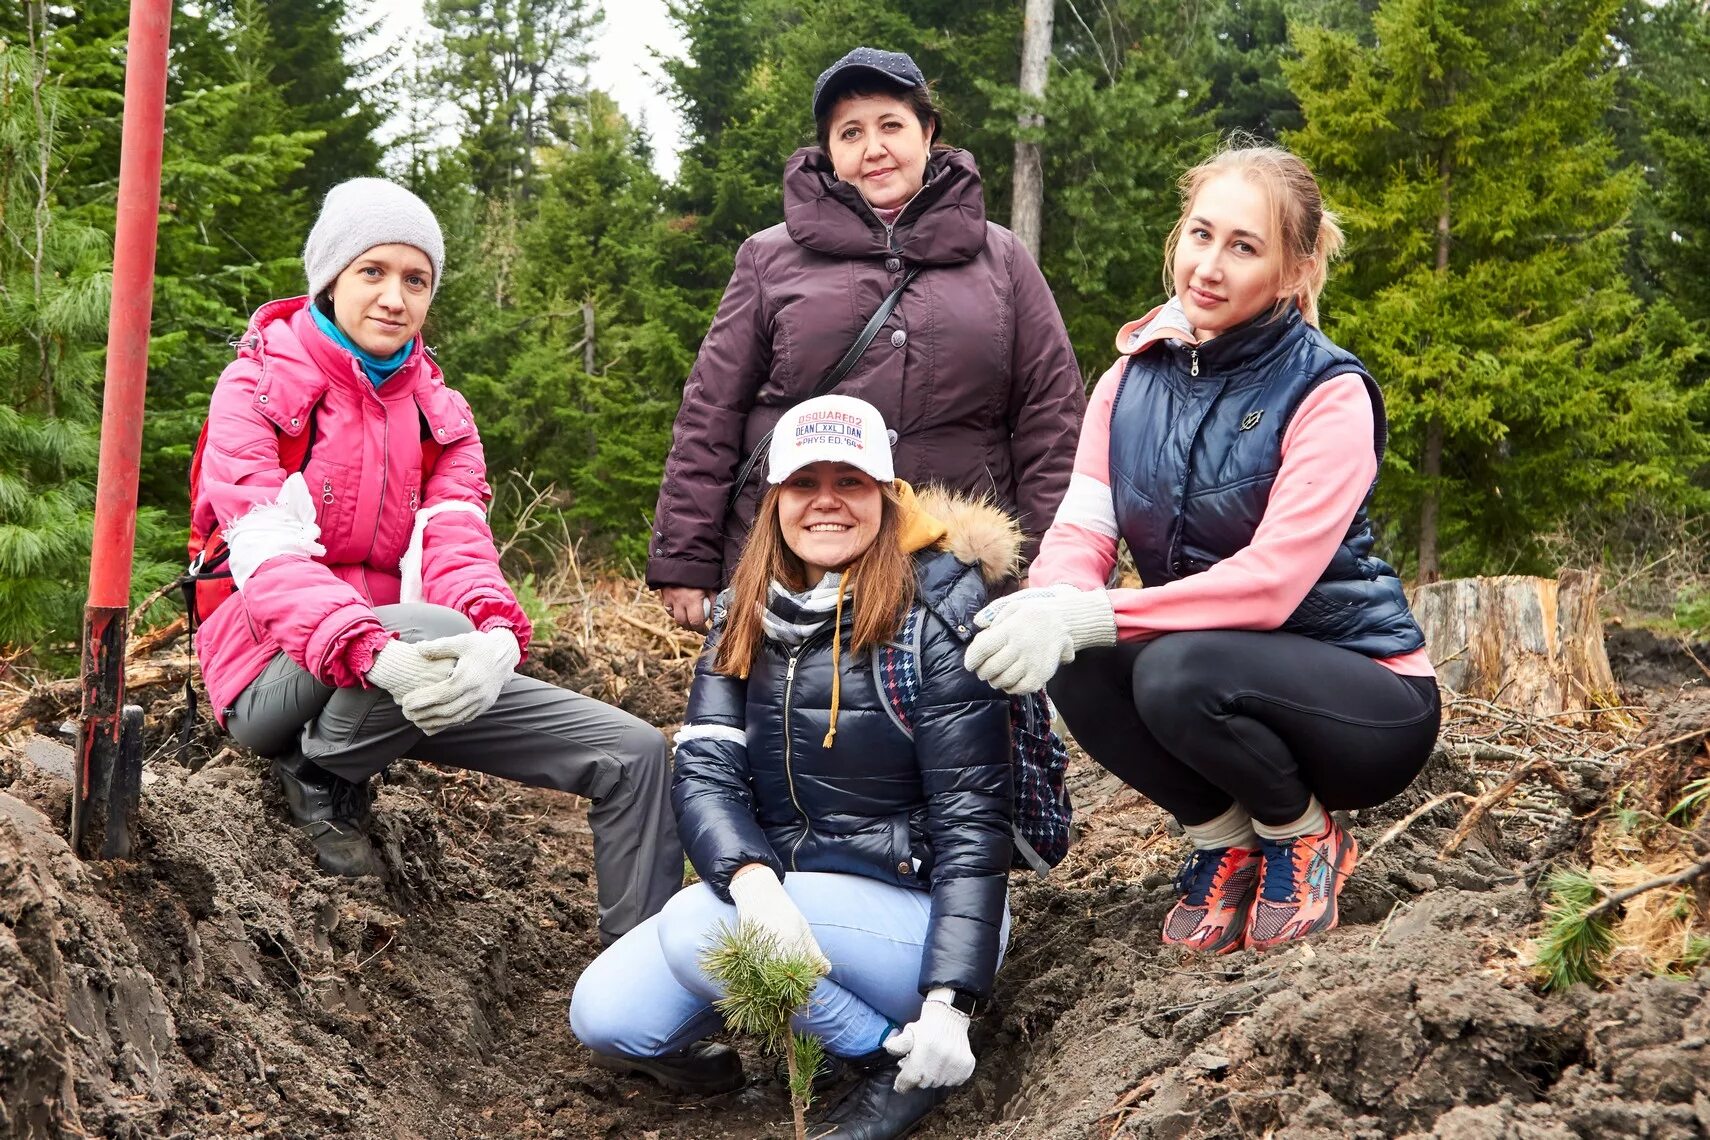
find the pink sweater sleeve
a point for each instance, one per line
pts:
(1327, 467)
(1080, 548)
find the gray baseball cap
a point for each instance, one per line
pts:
(894, 67)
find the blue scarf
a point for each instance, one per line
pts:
(379, 368)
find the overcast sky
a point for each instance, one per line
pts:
(623, 64)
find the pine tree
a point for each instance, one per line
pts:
(1483, 289)
(55, 286)
(510, 67)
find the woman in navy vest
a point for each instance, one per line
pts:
(1269, 669)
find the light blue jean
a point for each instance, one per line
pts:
(646, 995)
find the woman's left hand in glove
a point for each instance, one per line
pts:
(482, 663)
(1025, 638)
(934, 1046)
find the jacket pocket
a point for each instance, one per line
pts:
(334, 488)
(446, 414)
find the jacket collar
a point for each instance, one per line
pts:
(284, 331)
(944, 224)
(1246, 341)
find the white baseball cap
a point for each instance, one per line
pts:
(831, 429)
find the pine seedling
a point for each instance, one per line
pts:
(1574, 947)
(763, 989)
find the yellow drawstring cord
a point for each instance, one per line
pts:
(836, 648)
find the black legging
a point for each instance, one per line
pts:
(1196, 721)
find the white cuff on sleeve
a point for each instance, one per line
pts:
(410, 566)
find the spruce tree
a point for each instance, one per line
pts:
(591, 354)
(324, 90)
(1483, 288)
(1672, 96)
(510, 67)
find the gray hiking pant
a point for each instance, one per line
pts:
(536, 733)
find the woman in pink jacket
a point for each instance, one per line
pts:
(1270, 668)
(370, 620)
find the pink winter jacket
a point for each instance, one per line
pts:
(365, 473)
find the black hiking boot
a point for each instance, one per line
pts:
(831, 1072)
(704, 1068)
(874, 1109)
(333, 813)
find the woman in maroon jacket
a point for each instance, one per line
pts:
(973, 367)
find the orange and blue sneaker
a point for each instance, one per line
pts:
(1302, 879)
(1217, 890)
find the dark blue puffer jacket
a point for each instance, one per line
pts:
(933, 813)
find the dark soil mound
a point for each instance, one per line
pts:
(217, 985)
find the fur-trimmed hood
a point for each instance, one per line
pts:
(977, 531)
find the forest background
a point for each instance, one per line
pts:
(1526, 185)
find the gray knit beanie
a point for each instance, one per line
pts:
(361, 214)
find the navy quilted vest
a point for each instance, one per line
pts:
(1195, 444)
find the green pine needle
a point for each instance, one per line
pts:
(763, 987)
(1573, 948)
(810, 1054)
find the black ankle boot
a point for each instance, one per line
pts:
(332, 812)
(874, 1109)
(831, 1072)
(704, 1068)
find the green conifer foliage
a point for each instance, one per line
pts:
(510, 67)
(232, 222)
(55, 287)
(1483, 285)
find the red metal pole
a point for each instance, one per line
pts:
(121, 432)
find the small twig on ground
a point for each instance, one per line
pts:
(1696, 660)
(155, 638)
(381, 949)
(665, 635)
(1679, 878)
(143, 607)
(1387, 919)
(1407, 821)
(1493, 753)
(1672, 741)
(1125, 1105)
(1481, 806)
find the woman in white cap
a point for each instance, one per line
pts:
(351, 606)
(809, 811)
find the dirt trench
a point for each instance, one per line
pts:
(216, 985)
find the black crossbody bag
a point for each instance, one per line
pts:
(831, 380)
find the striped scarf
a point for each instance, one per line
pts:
(791, 618)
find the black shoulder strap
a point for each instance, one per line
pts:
(831, 380)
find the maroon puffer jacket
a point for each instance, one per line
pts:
(973, 369)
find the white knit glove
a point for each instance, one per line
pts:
(400, 669)
(285, 526)
(481, 663)
(761, 901)
(934, 1046)
(1027, 636)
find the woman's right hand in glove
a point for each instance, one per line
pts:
(761, 901)
(400, 669)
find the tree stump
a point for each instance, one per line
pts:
(1534, 645)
